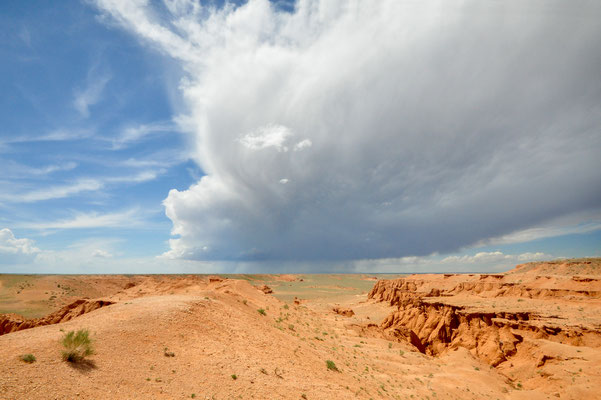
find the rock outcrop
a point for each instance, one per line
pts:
(345, 312)
(13, 322)
(428, 315)
(266, 289)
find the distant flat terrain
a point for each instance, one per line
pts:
(533, 332)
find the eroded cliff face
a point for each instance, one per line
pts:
(490, 286)
(13, 322)
(496, 317)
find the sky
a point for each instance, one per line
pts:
(186, 136)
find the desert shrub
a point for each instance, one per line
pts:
(78, 345)
(262, 311)
(168, 353)
(332, 366)
(234, 376)
(28, 358)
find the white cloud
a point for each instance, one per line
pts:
(303, 144)
(133, 134)
(54, 192)
(495, 256)
(267, 136)
(91, 95)
(16, 170)
(494, 261)
(123, 219)
(25, 35)
(58, 135)
(432, 125)
(140, 177)
(101, 254)
(68, 166)
(538, 256)
(13, 250)
(478, 257)
(586, 224)
(81, 185)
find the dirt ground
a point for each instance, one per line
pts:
(531, 333)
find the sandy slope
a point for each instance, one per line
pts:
(214, 329)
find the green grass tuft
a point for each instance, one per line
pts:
(78, 345)
(332, 366)
(28, 358)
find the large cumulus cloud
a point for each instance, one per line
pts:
(374, 129)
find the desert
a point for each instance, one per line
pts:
(533, 332)
(300, 199)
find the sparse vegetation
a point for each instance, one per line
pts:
(261, 311)
(234, 376)
(332, 366)
(28, 358)
(78, 345)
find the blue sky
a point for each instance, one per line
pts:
(180, 136)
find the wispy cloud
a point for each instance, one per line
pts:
(14, 170)
(58, 135)
(25, 36)
(54, 192)
(129, 218)
(144, 176)
(580, 224)
(158, 159)
(91, 94)
(80, 186)
(134, 134)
